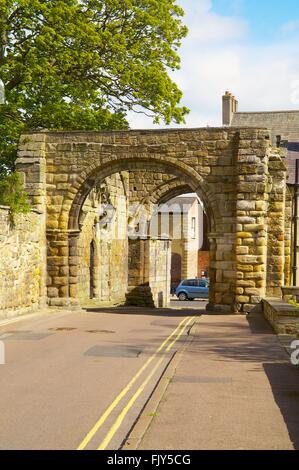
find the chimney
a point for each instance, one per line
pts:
(229, 107)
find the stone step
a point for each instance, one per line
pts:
(283, 317)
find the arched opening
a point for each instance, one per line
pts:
(188, 178)
(111, 213)
(180, 216)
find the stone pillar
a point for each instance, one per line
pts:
(288, 238)
(276, 225)
(31, 164)
(222, 272)
(251, 219)
(139, 292)
(58, 268)
(63, 262)
(73, 264)
(159, 270)
(148, 272)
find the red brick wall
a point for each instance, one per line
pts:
(203, 262)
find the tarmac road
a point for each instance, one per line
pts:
(78, 380)
(194, 304)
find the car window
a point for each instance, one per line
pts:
(203, 284)
(189, 283)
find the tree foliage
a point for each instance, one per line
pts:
(12, 194)
(82, 64)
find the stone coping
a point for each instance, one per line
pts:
(145, 131)
(282, 307)
(283, 317)
(290, 289)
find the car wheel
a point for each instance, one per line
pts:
(183, 296)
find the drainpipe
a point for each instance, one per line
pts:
(295, 243)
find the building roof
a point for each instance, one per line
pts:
(179, 204)
(281, 123)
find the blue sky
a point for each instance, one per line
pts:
(249, 47)
(264, 17)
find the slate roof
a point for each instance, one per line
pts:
(281, 123)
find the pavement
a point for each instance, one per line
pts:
(233, 388)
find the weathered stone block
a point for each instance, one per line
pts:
(242, 250)
(60, 280)
(52, 292)
(242, 299)
(244, 235)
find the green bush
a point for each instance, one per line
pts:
(12, 193)
(293, 302)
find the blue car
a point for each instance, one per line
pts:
(190, 289)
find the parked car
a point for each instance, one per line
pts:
(190, 289)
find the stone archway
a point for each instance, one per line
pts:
(229, 168)
(95, 177)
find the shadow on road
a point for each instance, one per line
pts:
(230, 341)
(258, 324)
(284, 381)
(156, 312)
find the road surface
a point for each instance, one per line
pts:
(78, 380)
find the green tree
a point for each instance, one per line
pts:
(12, 193)
(82, 64)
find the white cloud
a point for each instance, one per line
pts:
(290, 26)
(207, 27)
(217, 56)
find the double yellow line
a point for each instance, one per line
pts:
(180, 330)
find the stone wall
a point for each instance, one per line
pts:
(142, 183)
(22, 262)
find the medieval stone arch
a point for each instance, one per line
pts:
(229, 168)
